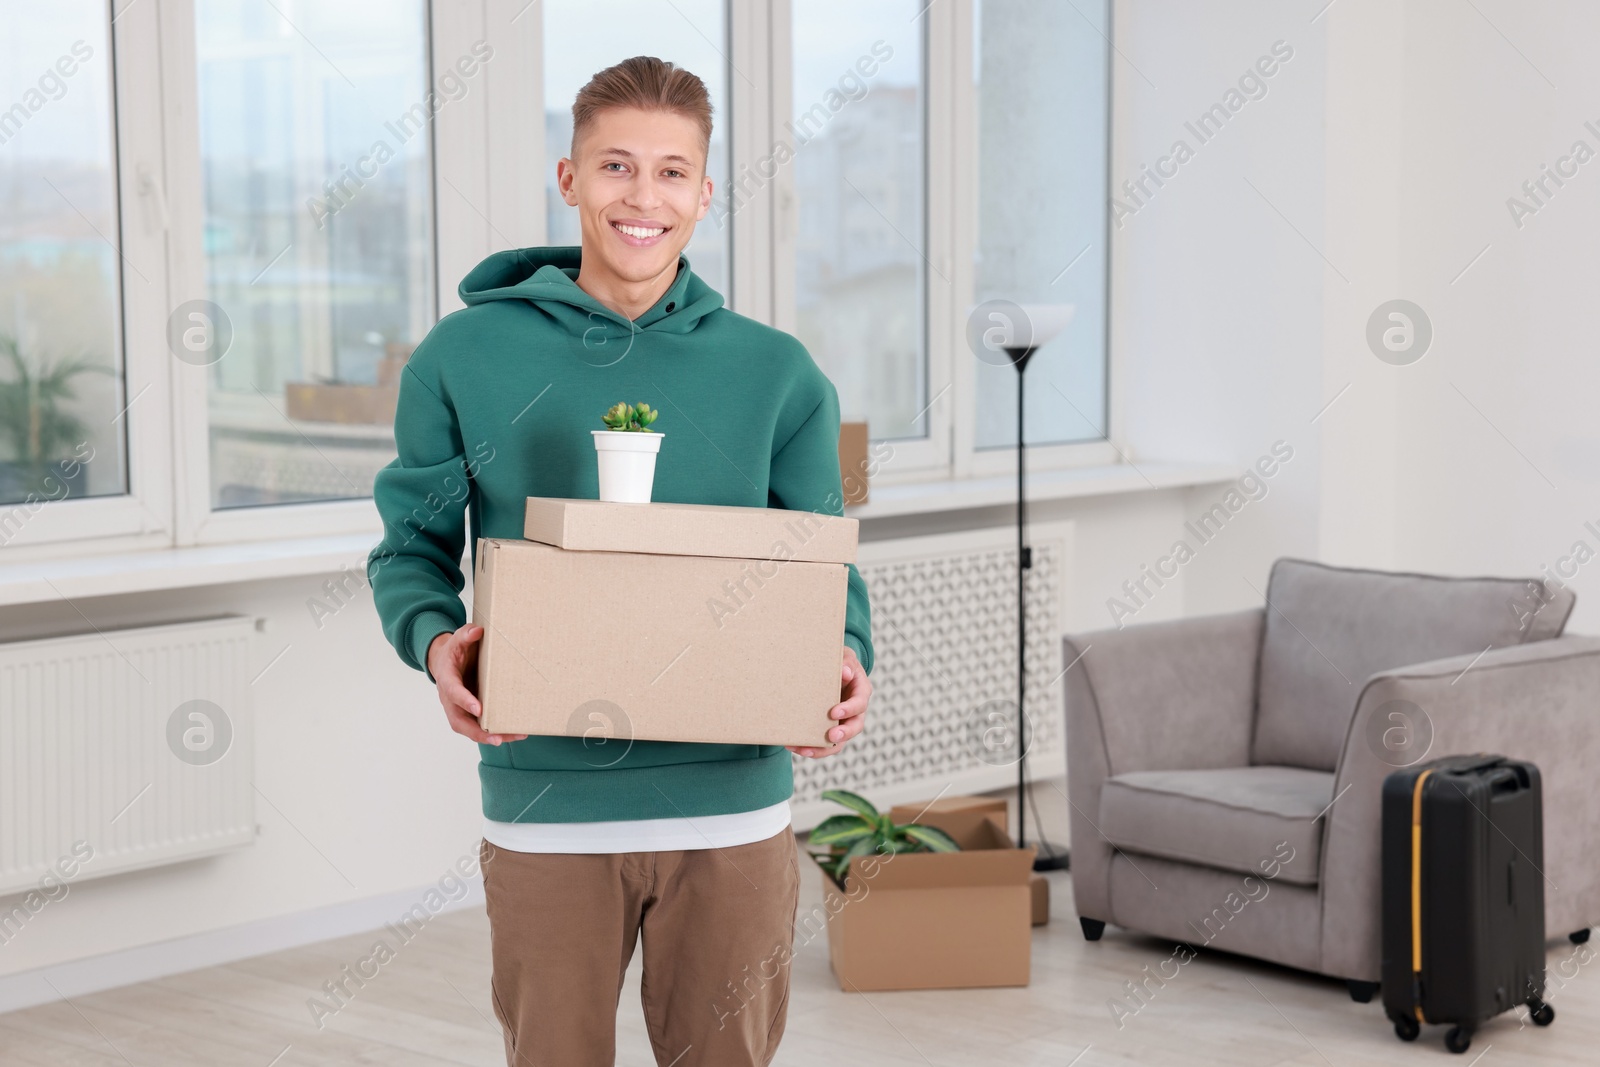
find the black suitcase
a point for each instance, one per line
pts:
(1463, 895)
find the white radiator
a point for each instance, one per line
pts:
(124, 749)
(944, 638)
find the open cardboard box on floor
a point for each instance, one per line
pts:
(936, 920)
(959, 817)
(663, 621)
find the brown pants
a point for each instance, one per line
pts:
(717, 926)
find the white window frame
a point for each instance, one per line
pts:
(951, 140)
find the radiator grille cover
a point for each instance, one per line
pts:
(944, 635)
(136, 743)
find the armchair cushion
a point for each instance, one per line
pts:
(1231, 819)
(1328, 629)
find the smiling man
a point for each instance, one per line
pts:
(591, 847)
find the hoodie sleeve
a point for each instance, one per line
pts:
(804, 476)
(421, 496)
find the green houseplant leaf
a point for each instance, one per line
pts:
(861, 847)
(853, 801)
(867, 831)
(635, 418)
(931, 837)
(840, 830)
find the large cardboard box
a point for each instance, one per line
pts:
(936, 920)
(664, 621)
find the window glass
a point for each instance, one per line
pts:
(584, 37)
(62, 415)
(1042, 111)
(859, 161)
(315, 144)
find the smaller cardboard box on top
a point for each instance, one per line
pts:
(936, 920)
(664, 621)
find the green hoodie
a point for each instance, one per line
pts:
(496, 405)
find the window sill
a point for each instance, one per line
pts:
(120, 574)
(179, 568)
(964, 494)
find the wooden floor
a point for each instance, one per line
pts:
(430, 1006)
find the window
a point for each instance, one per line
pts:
(318, 239)
(583, 37)
(1041, 227)
(226, 224)
(61, 360)
(860, 268)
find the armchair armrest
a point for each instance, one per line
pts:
(1153, 697)
(1536, 702)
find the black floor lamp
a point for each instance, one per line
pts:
(1024, 330)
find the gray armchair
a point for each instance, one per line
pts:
(1224, 772)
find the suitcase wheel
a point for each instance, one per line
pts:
(1406, 1028)
(1541, 1013)
(1458, 1040)
(1579, 937)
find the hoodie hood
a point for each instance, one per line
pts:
(547, 278)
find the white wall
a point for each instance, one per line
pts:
(1390, 142)
(367, 793)
(1217, 300)
(1506, 487)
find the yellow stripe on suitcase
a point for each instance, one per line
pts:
(1416, 886)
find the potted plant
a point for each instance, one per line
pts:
(626, 451)
(39, 432)
(867, 832)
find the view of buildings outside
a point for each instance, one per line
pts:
(317, 177)
(1042, 208)
(859, 175)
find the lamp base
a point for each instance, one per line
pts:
(1050, 857)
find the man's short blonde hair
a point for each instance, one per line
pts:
(648, 84)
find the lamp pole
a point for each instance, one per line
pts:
(1019, 330)
(1050, 858)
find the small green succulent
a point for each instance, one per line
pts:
(634, 417)
(866, 832)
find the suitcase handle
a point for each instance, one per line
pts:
(1508, 780)
(1483, 763)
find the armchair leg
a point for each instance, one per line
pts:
(1092, 928)
(1579, 937)
(1361, 992)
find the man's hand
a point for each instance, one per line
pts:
(452, 658)
(854, 690)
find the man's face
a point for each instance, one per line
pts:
(638, 181)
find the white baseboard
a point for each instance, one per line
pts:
(215, 947)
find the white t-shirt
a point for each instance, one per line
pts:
(641, 835)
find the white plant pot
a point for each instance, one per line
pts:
(627, 464)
